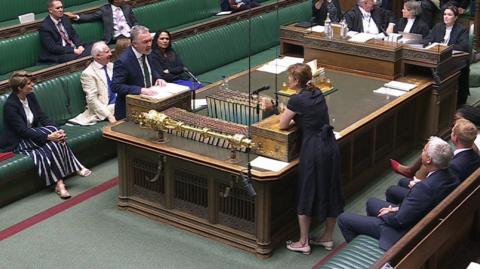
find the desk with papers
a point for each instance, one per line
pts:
(191, 185)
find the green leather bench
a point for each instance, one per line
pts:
(22, 52)
(61, 99)
(224, 50)
(361, 253)
(12, 9)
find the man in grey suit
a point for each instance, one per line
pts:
(96, 82)
(117, 17)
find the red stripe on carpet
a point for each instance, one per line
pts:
(329, 256)
(52, 211)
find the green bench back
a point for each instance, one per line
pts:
(11, 9)
(226, 44)
(170, 13)
(61, 98)
(23, 51)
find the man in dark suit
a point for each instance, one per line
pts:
(464, 162)
(117, 18)
(135, 71)
(59, 41)
(365, 17)
(389, 222)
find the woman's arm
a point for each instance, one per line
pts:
(286, 119)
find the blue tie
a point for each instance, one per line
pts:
(111, 95)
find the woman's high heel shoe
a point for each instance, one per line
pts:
(328, 245)
(62, 192)
(305, 249)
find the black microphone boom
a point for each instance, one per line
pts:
(191, 75)
(259, 90)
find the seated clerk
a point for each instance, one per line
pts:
(96, 82)
(320, 9)
(411, 23)
(135, 72)
(450, 32)
(171, 66)
(117, 18)
(240, 5)
(365, 17)
(464, 162)
(59, 41)
(388, 222)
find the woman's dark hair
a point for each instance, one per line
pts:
(19, 79)
(453, 8)
(155, 47)
(470, 113)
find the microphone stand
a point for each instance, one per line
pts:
(195, 82)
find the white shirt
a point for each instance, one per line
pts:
(60, 27)
(448, 31)
(460, 150)
(100, 68)
(28, 112)
(139, 58)
(409, 25)
(120, 25)
(369, 25)
(477, 141)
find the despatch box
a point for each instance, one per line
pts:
(138, 103)
(271, 142)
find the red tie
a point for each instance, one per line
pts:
(64, 35)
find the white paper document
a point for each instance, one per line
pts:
(389, 91)
(223, 13)
(278, 66)
(199, 103)
(398, 85)
(268, 164)
(168, 91)
(318, 29)
(362, 37)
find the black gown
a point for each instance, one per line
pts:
(319, 192)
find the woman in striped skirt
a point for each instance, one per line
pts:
(28, 131)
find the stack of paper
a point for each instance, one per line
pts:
(395, 88)
(168, 91)
(361, 37)
(278, 66)
(268, 164)
(318, 29)
(397, 85)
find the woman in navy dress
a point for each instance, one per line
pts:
(319, 192)
(28, 131)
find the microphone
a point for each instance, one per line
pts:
(247, 185)
(259, 90)
(191, 75)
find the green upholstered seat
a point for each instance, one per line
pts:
(224, 50)
(172, 13)
(361, 253)
(10, 10)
